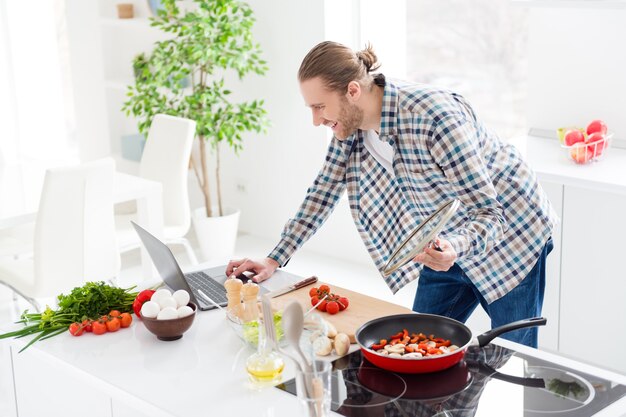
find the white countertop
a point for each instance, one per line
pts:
(203, 371)
(551, 162)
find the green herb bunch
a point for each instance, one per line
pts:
(92, 300)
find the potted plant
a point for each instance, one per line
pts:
(185, 76)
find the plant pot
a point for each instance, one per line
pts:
(216, 235)
(125, 11)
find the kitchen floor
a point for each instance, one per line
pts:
(340, 272)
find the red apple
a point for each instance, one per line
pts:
(581, 154)
(573, 136)
(596, 143)
(596, 126)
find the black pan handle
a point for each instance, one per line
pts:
(487, 370)
(488, 336)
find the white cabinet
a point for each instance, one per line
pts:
(593, 281)
(43, 385)
(549, 334)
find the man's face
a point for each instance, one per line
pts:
(331, 108)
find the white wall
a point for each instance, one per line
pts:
(276, 169)
(92, 130)
(577, 60)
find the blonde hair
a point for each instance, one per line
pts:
(337, 65)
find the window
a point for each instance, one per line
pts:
(36, 99)
(476, 48)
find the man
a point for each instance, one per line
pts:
(401, 151)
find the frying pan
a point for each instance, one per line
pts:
(440, 326)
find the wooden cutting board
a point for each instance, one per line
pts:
(362, 308)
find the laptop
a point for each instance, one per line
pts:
(210, 281)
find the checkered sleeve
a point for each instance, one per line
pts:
(455, 148)
(320, 200)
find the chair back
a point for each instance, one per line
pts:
(166, 159)
(75, 237)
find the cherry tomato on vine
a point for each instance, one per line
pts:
(76, 329)
(113, 325)
(98, 327)
(126, 319)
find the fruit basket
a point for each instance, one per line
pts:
(585, 152)
(585, 145)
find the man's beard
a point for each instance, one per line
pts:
(350, 118)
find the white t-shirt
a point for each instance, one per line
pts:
(380, 150)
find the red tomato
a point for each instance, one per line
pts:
(87, 325)
(343, 303)
(573, 136)
(322, 306)
(596, 143)
(114, 324)
(324, 289)
(596, 126)
(114, 313)
(313, 292)
(76, 329)
(314, 300)
(126, 319)
(332, 307)
(581, 154)
(98, 327)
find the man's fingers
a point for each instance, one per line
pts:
(234, 263)
(240, 266)
(261, 276)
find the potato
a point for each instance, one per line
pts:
(342, 344)
(322, 346)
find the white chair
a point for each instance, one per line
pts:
(165, 159)
(74, 237)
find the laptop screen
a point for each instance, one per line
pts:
(164, 261)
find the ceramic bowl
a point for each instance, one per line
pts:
(172, 329)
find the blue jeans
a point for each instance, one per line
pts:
(452, 294)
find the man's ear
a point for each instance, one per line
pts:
(354, 91)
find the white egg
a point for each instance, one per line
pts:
(160, 293)
(167, 313)
(181, 297)
(184, 311)
(167, 302)
(150, 309)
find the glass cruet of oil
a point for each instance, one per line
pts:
(265, 365)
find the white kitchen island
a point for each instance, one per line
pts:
(131, 373)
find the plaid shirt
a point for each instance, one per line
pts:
(441, 152)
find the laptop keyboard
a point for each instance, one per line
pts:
(209, 286)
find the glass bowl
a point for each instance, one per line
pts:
(249, 332)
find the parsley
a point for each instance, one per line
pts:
(92, 300)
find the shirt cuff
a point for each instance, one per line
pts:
(460, 244)
(281, 253)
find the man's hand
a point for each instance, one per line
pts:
(263, 268)
(438, 260)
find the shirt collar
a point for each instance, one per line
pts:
(388, 112)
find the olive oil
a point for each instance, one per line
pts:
(265, 365)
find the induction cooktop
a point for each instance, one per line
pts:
(489, 381)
